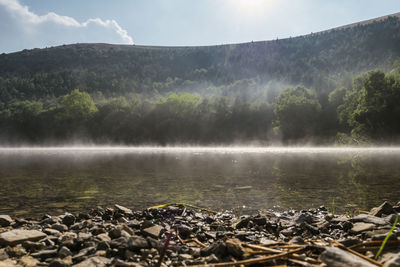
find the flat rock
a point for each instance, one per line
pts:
(154, 231)
(94, 262)
(394, 261)
(66, 262)
(18, 236)
(28, 261)
(9, 263)
(5, 220)
(366, 218)
(123, 209)
(336, 257)
(362, 227)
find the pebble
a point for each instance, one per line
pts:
(119, 236)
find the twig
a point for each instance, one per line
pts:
(194, 240)
(357, 254)
(256, 260)
(270, 250)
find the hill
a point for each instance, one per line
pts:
(321, 61)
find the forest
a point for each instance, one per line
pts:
(339, 86)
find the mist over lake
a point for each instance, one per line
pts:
(51, 180)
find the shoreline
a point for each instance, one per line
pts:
(182, 235)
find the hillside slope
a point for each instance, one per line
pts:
(321, 61)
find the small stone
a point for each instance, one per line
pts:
(123, 210)
(17, 251)
(212, 259)
(121, 263)
(44, 254)
(234, 249)
(154, 231)
(60, 227)
(9, 263)
(394, 261)
(18, 236)
(33, 246)
(136, 243)
(68, 219)
(361, 227)
(103, 245)
(97, 261)
(265, 241)
(64, 252)
(384, 208)
(5, 220)
(50, 231)
(242, 223)
(28, 261)
(336, 257)
(115, 232)
(66, 262)
(3, 254)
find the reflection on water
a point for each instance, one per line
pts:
(43, 180)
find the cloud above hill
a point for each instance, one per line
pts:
(20, 28)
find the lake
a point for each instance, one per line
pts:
(35, 181)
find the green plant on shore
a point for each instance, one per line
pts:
(386, 238)
(333, 207)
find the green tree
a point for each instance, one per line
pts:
(77, 106)
(297, 112)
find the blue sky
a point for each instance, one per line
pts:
(26, 24)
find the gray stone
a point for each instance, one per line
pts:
(137, 243)
(5, 220)
(120, 263)
(336, 257)
(9, 263)
(60, 227)
(123, 210)
(361, 227)
(68, 219)
(33, 246)
(154, 231)
(45, 254)
(66, 262)
(384, 208)
(18, 236)
(94, 262)
(366, 218)
(3, 254)
(50, 231)
(394, 261)
(64, 252)
(17, 251)
(28, 261)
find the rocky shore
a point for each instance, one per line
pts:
(181, 235)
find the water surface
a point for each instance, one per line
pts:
(34, 181)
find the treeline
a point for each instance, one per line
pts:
(366, 111)
(321, 62)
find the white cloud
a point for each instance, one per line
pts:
(20, 28)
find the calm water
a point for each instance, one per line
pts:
(38, 181)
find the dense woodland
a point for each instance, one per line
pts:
(341, 86)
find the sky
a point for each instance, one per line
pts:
(27, 24)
